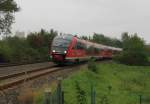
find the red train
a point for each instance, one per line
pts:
(71, 49)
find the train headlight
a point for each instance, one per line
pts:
(54, 51)
(65, 52)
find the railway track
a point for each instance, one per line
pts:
(11, 80)
(17, 64)
(23, 68)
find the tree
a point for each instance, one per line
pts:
(134, 50)
(41, 42)
(101, 39)
(148, 50)
(84, 37)
(7, 9)
(5, 52)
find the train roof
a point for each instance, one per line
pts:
(94, 44)
(114, 48)
(109, 47)
(102, 46)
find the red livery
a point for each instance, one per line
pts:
(68, 48)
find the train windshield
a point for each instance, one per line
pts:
(61, 43)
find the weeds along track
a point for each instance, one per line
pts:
(15, 79)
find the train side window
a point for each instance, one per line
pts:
(83, 46)
(80, 46)
(96, 50)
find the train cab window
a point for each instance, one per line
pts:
(61, 43)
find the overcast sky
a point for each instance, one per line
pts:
(110, 17)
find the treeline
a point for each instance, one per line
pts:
(33, 48)
(135, 51)
(36, 46)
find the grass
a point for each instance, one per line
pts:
(116, 83)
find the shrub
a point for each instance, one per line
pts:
(5, 52)
(134, 51)
(80, 94)
(133, 58)
(92, 66)
(34, 48)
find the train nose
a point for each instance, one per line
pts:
(57, 57)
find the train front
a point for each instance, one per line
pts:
(60, 47)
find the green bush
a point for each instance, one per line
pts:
(5, 53)
(92, 66)
(134, 51)
(34, 48)
(133, 58)
(80, 94)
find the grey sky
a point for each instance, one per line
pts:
(111, 17)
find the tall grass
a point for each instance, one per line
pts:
(114, 84)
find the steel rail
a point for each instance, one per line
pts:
(19, 64)
(19, 78)
(22, 73)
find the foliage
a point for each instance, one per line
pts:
(134, 50)
(81, 95)
(100, 38)
(84, 37)
(127, 83)
(92, 66)
(34, 48)
(5, 52)
(7, 8)
(148, 50)
(104, 100)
